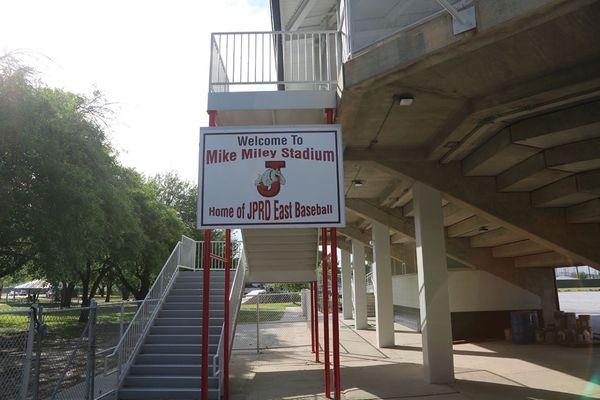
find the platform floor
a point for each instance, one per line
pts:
(490, 370)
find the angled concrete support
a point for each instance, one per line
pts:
(359, 285)
(382, 279)
(432, 274)
(346, 285)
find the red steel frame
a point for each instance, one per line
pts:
(335, 315)
(205, 313)
(315, 316)
(312, 320)
(325, 312)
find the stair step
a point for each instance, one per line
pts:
(164, 321)
(199, 292)
(189, 313)
(198, 285)
(183, 330)
(164, 394)
(176, 348)
(170, 381)
(179, 339)
(184, 305)
(155, 359)
(166, 369)
(194, 298)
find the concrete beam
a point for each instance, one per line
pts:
(364, 236)
(496, 155)
(529, 175)
(554, 129)
(569, 191)
(470, 227)
(588, 212)
(493, 238)
(550, 259)
(546, 226)
(575, 157)
(522, 248)
(454, 214)
(458, 249)
(299, 15)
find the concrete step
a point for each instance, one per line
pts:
(170, 359)
(165, 394)
(176, 348)
(189, 313)
(183, 330)
(162, 321)
(180, 339)
(170, 381)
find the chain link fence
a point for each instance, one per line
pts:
(273, 320)
(55, 353)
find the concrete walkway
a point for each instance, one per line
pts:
(490, 370)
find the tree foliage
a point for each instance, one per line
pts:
(68, 210)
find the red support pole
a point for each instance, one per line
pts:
(226, 315)
(205, 313)
(312, 319)
(335, 316)
(330, 114)
(316, 319)
(212, 120)
(325, 313)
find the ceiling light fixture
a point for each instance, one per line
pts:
(357, 182)
(404, 99)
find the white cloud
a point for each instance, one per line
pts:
(151, 57)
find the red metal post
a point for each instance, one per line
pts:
(226, 315)
(335, 316)
(316, 319)
(205, 313)
(312, 319)
(330, 115)
(212, 119)
(325, 312)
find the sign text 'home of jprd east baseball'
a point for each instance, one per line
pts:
(266, 177)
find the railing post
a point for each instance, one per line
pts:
(28, 354)
(257, 324)
(121, 321)
(316, 318)
(91, 352)
(38, 356)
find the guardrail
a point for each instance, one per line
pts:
(278, 60)
(235, 300)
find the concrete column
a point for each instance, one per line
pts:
(359, 285)
(346, 285)
(382, 282)
(432, 274)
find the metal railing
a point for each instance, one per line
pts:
(299, 60)
(235, 298)
(369, 282)
(133, 337)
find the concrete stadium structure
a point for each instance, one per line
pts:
(471, 134)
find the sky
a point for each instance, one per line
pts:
(149, 58)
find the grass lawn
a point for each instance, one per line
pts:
(269, 312)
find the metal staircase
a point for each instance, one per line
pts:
(160, 354)
(168, 364)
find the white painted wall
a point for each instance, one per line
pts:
(469, 291)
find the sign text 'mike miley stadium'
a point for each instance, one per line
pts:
(278, 176)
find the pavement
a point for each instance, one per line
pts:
(494, 370)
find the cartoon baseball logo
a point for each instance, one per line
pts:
(269, 182)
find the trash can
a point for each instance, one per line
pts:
(523, 325)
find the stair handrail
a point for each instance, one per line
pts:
(235, 299)
(138, 328)
(369, 282)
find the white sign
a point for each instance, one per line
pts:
(275, 176)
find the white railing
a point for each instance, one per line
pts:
(217, 248)
(133, 337)
(369, 282)
(299, 60)
(235, 299)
